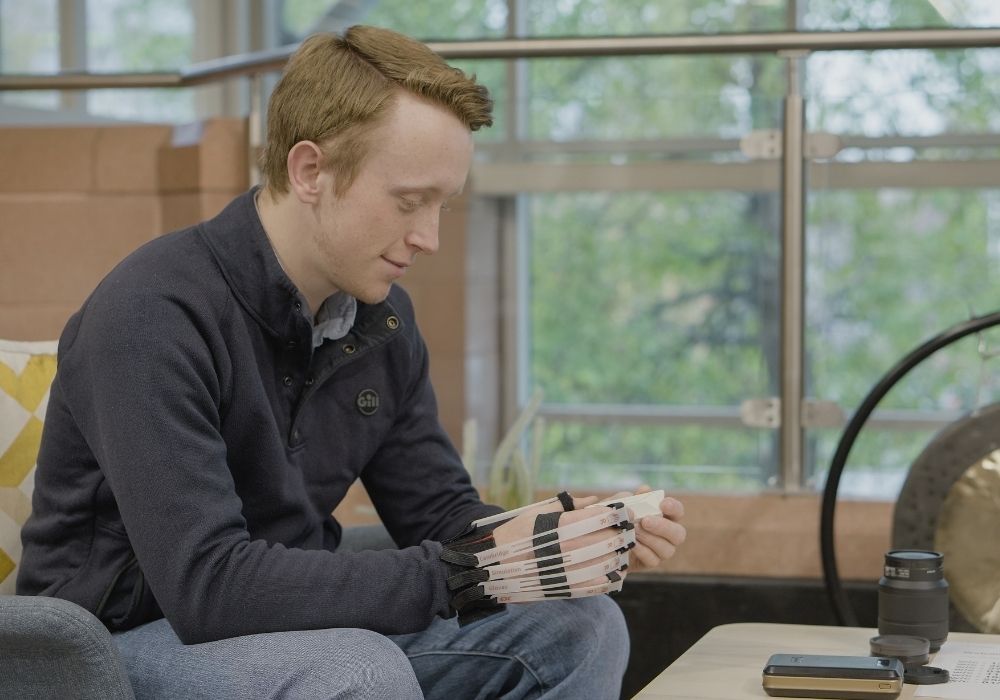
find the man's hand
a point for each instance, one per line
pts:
(657, 538)
(522, 526)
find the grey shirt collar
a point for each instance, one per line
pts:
(335, 317)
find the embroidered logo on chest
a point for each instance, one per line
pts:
(367, 402)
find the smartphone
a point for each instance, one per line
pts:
(818, 676)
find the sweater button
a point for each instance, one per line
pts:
(349, 349)
(287, 381)
(392, 322)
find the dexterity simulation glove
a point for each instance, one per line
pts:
(485, 576)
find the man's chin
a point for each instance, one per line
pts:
(373, 296)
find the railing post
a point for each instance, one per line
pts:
(255, 127)
(791, 357)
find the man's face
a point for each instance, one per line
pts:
(365, 238)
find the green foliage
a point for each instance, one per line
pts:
(629, 302)
(600, 17)
(466, 19)
(853, 15)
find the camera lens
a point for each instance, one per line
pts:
(913, 596)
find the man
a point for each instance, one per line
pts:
(225, 384)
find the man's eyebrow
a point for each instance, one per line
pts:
(428, 189)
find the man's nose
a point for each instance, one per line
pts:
(424, 234)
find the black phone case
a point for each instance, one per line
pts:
(822, 676)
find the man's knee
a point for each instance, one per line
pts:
(586, 647)
(584, 630)
(602, 628)
(371, 666)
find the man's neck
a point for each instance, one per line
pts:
(286, 233)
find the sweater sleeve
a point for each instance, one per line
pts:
(145, 379)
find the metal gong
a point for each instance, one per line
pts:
(950, 503)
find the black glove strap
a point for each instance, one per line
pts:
(566, 500)
(544, 523)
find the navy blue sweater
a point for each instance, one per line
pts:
(195, 445)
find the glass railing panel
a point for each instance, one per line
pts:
(653, 307)
(903, 241)
(650, 252)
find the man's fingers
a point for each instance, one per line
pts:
(672, 508)
(653, 527)
(657, 540)
(644, 558)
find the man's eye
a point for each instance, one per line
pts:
(409, 204)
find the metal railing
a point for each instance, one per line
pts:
(768, 42)
(792, 46)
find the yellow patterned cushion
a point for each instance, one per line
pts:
(26, 371)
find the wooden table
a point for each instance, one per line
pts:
(726, 663)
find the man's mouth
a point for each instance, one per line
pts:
(400, 267)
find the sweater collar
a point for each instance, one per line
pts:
(244, 254)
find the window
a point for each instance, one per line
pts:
(140, 36)
(29, 43)
(110, 36)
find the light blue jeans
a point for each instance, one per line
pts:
(556, 649)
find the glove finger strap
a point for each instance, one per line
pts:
(562, 581)
(547, 530)
(618, 542)
(600, 520)
(613, 585)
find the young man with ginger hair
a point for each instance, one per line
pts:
(223, 387)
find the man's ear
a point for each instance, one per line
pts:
(304, 163)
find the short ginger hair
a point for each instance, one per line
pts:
(336, 89)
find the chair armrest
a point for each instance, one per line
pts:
(54, 648)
